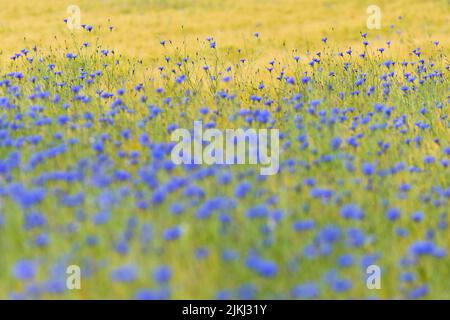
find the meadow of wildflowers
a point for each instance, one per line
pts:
(87, 179)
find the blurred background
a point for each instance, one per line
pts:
(139, 25)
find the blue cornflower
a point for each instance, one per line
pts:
(352, 211)
(223, 295)
(247, 292)
(34, 220)
(417, 216)
(242, 189)
(393, 214)
(407, 277)
(341, 285)
(418, 292)
(355, 237)
(172, 233)
(428, 159)
(180, 79)
(345, 260)
(162, 274)
(335, 143)
(158, 196)
(421, 248)
(148, 294)
(447, 151)
(101, 218)
(329, 234)
(404, 187)
(125, 273)
(24, 269)
(224, 178)
(176, 208)
(229, 255)
(368, 168)
(266, 268)
(71, 55)
(255, 98)
(310, 182)
(201, 253)
(303, 225)
(305, 291)
(259, 211)
(42, 240)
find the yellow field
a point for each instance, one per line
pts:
(139, 25)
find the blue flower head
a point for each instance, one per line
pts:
(24, 270)
(162, 274)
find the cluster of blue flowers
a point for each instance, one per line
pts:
(86, 176)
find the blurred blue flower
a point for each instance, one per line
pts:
(24, 269)
(126, 273)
